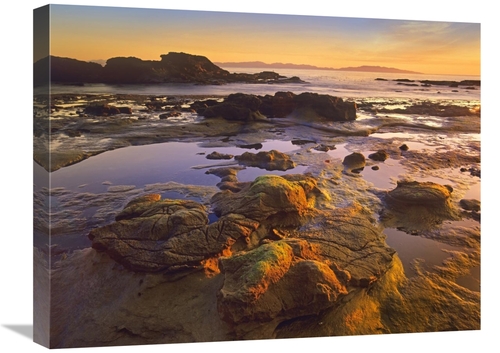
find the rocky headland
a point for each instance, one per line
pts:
(172, 68)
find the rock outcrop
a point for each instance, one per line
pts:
(260, 285)
(273, 199)
(155, 235)
(328, 274)
(268, 241)
(172, 68)
(66, 70)
(414, 206)
(308, 105)
(238, 106)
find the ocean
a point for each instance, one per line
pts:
(344, 84)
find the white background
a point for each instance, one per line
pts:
(16, 296)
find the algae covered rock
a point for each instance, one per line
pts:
(152, 235)
(284, 198)
(260, 285)
(414, 206)
(420, 193)
(349, 238)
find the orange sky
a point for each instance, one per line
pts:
(99, 33)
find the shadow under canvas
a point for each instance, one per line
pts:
(23, 330)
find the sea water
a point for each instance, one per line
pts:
(344, 84)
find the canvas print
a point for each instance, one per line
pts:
(209, 176)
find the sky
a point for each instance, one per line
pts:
(92, 33)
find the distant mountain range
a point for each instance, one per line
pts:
(260, 64)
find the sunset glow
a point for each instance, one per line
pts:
(99, 33)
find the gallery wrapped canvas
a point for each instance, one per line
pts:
(204, 176)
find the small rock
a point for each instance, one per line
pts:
(272, 160)
(217, 155)
(470, 205)
(324, 148)
(355, 162)
(380, 155)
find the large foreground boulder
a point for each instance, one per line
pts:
(154, 235)
(261, 285)
(270, 260)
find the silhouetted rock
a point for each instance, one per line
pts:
(453, 83)
(306, 105)
(173, 67)
(66, 70)
(106, 110)
(470, 205)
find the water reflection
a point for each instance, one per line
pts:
(180, 162)
(430, 252)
